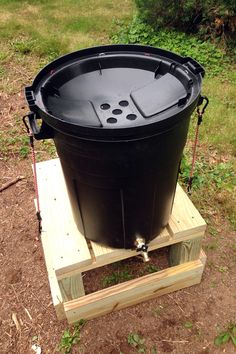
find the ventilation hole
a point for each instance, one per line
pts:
(111, 120)
(105, 106)
(124, 103)
(131, 116)
(117, 111)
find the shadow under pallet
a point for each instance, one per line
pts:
(67, 253)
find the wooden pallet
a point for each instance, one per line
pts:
(68, 254)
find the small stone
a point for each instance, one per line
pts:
(36, 348)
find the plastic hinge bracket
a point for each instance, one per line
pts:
(193, 66)
(182, 101)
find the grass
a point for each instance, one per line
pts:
(72, 24)
(32, 33)
(220, 114)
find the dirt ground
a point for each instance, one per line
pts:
(24, 291)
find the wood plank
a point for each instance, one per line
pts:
(134, 291)
(95, 264)
(69, 248)
(72, 287)
(185, 251)
(185, 219)
(106, 255)
(57, 299)
(203, 257)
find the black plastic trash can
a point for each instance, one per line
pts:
(119, 117)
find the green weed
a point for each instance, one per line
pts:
(157, 311)
(13, 143)
(2, 71)
(188, 324)
(213, 284)
(212, 231)
(212, 183)
(137, 341)
(24, 46)
(70, 338)
(138, 32)
(3, 56)
(218, 176)
(222, 269)
(49, 146)
(210, 264)
(228, 335)
(116, 278)
(151, 268)
(24, 151)
(211, 246)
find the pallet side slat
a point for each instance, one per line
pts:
(57, 299)
(134, 291)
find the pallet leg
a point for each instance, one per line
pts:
(185, 251)
(71, 287)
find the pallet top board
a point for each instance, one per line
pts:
(185, 219)
(105, 255)
(69, 249)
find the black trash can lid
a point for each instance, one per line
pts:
(115, 89)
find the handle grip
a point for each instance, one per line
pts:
(30, 98)
(39, 133)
